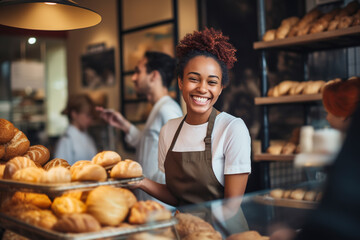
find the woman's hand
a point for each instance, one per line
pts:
(114, 118)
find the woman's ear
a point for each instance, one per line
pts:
(180, 83)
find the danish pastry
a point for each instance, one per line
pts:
(67, 205)
(7, 131)
(16, 164)
(146, 211)
(106, 158)
(56, 162)
(107, 205)
(126, 169)
(38, 153)
(77, 223)
(17, 146)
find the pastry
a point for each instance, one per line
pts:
(297, 194)
(38, 153)
(297, 89)
(270, 92)
(333, 24)
(287, 194)
(57, 175)
(188, 223)
(247, 235)
(67, 205)
(285, 27)
(106, 158)
(148, 211)
(274, 149)
(319, 26)
(16, 164)
(345, 22)
(310, 195)
(313, 87)
(203, 236)
(7, 131)
(38, 199)
(277, 193)
(88, 172)
(269, 35)
(10, 235)
(107, 205)
(17, 146)
(41, 218)
(2, 168)
(75, 166)
(126, 169)
(77, 223)
(129, 196)
(56, 162)
(288, 148)
(284, 87)
(30, 174)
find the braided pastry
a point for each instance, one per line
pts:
(38, 153)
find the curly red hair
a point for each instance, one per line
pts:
(340, 98)
(211, 41)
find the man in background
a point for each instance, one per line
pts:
(152, 78)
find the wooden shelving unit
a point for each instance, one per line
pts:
(287, 99)
(340, 38)
(272, 157)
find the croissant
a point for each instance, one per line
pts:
(16, 164)
(126, 169)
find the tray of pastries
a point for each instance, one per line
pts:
(103, 212)
(294, 198)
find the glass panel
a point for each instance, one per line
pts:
(129, 90)
(154, 39)
(140, 12)
(137, 112)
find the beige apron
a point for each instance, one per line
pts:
(189, 175)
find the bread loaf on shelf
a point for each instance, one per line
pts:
(126, 169)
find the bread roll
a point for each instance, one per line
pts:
(270, 92)
(17, 146)
(16, 164)
(7, 131)
(80, 163)
(38, 199)
(2, 168)
(269, 35)
(277, 193)
(10, 235)
(77, 223)
(38, 153)
(298, 89)
(345, 22)
(126, 169)
(56, 162)
(58, 175)
(107, 205)
(188, 223)
(297, 194)
(288, 148)
(274, 149)
(284, 87)
(287, 194)
(333, 24)
(148, 211)
(88, 172)
(129, 196)
(285, 27)
(313, 87)
(30, 174)
(67, 205)
(41, 218)
(310, 195)
(106, 158)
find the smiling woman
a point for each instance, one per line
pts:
(206, 154)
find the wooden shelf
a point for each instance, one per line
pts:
(288, 99)
(272, 157)
(340, 38)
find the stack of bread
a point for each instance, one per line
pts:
(291, 88)
(296, 194)
(315, 22)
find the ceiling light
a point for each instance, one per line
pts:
(32, 40)
(55, 15)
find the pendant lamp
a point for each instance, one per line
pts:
(50, 15)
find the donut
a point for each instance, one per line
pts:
(6, 131)
(17, 146)
(38, 153)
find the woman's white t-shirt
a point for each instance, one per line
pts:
(230, 139)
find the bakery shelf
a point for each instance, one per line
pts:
(339, 38)
(288, 99)
(280, 202)
(58, 188)
(273, 157)
(35, 232)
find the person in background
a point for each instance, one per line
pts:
(340, 99)
(206, 154)
(152, 78)
(76, 144)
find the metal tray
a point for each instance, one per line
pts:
(53, 189)
(34, 232)
(285, 202)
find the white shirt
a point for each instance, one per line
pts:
(146, 141)
(75, 145)
(230, 139)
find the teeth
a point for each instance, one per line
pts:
(200, 99)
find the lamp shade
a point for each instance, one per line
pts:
(53, 15)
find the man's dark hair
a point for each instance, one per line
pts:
(163, 63)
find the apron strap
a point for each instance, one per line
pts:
(176, 134)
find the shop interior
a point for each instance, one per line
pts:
(39, 69)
